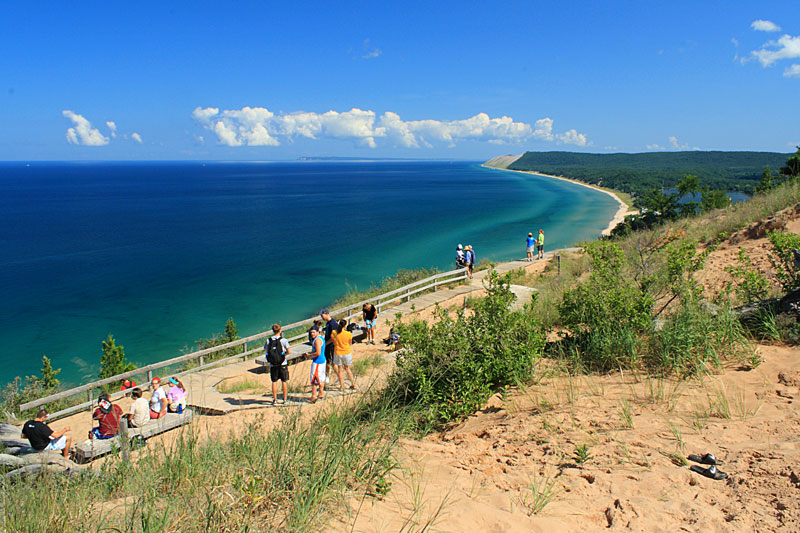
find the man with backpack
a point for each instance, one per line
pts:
(277, 348)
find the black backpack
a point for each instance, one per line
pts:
(274, 351)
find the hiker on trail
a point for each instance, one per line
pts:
(317, 326)
(531, 246)
(540, 244)
(469, 259)
(343, 354)
(370, 315)
(330, 327)
(176, 397)
(460, 257)
(277, 349)
(158, 399)
(108, 415)
(318, 364)
(139, 413)
(43, 438)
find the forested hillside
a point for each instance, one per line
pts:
(640, 173)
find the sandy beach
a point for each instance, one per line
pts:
(619, 216)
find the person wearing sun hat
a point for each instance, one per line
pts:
(158, 399)
(460, 256)
(108, 416)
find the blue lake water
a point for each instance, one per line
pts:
(161, 254)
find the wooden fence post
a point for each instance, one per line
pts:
(149, 376)
(559, 264)
(244, 352)
(124, 442)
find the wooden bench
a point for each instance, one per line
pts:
(92, 448)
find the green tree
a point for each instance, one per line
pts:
(714, 200)
(666, 206)
(231, 331)
(49, 374)
(792, 168)
(688, 186)
(113, 360)
(766, 181)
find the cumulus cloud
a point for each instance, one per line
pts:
(113, 127)
(674, 144)
(136, 137)
(792, 71)
(82, 132)
(260, 127)
(787, 47)
(765, 25)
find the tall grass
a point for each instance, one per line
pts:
(289, 477)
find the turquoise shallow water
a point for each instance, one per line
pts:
(160, 254)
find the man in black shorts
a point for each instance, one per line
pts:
(278, 372)
(330, 327)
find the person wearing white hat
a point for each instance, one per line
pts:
(460, 257)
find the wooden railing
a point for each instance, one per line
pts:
(247, 350)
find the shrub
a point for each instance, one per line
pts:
(451, 367)
(751, 285)
(782, 259)
(606, 314)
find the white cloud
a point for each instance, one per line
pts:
(735, 41)
(136, 137)
(83, 133)
(787, 47)
(792, 71)
(674, 144)
(113, 127)
(260, 127)
(370, 52)
(765, 25)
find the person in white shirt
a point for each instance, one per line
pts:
(158, 399)
(140, 410)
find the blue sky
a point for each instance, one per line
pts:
(455, 80)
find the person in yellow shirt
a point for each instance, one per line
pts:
(343, 354)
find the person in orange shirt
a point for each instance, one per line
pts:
(343, 354)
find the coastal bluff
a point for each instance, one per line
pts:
(502, 161)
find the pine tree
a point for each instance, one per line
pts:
(231, 331)
(113, 360)
(49, 374)
(766, 180)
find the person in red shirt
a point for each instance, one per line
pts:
(108, 415)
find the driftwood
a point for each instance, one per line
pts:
(35, 463)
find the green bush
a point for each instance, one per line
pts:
(451, 367)
(751, 285)
(782, 259)
(607, 314)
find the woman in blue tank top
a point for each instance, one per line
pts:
(317, 366)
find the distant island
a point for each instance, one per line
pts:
(638, 174)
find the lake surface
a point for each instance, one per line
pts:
(161, 254)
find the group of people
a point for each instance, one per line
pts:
(331, 349)
(465, 258)
(535, 245)
(108, 416)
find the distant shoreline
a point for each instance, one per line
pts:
(619, 216)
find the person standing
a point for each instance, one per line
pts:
(460, 257)
(318, 364)
(108, 416)
(531, 244)
(469, 259)
(370, 314)
(330, 327)
(277, 349)
(343, 355)
(540, 244)
(43, 438)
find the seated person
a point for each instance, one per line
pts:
(108, 415)
(176, 396)
(139, 414)
(43, 438)
(127, 384)
(158, 399)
